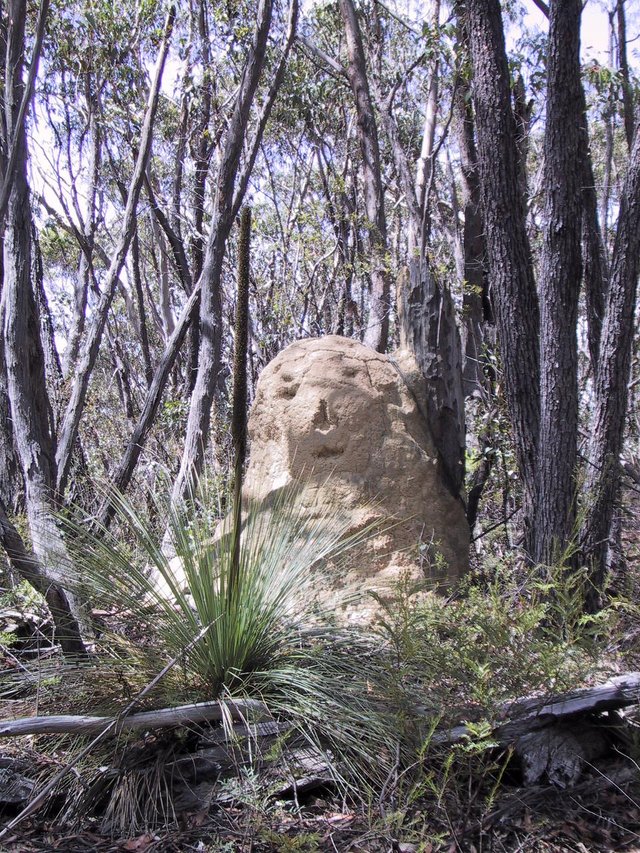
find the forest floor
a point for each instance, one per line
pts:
(477, 804)
(592, 817)
(600, 813)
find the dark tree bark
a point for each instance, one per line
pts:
(611, 384)
(377, 331)
(559, 287)
(508, 252)
(239, 404)
(428, 328)
(623, 64)
(595, 271)
(476, 307)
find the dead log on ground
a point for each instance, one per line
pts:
(555, 737)
(201, 712)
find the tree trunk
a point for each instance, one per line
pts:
(476, 307)
(508, 252)
(11, 485)
(28, 566)
(623, 65)
(377, 331)
(595, 271)
(83, 276)
(31, 414)
(560, 275)
(611, 384)
(210, 351)
(75, 406)
(428, 328)
(121, 477)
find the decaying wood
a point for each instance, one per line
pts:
(15, 787)
(554, 738)
(520, 717)
(164, 718)
(229, 748)
(534, 713)
(559, 753)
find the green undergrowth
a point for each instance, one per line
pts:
(376, 703)
(523, 633)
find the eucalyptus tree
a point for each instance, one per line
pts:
(44, 450)
(212, 120)
(31, 415)
(426, 319)
(377, 332)
(230, 187)
(537, 326)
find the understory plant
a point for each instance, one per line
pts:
(268, 634)
(525, 632)
(465, 660)
(375, 705)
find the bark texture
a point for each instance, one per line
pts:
(508, 251)
(611, 385)
(377, 331)
(476, 307)
(559, 287)
(428, 329)
(31, 413)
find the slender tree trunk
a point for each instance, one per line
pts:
(75, 406)
(210, 351)
(560, 276)
(476, 308)
(239, 405)
(508, 252)
(595, 271)
(202, 157)
(611, 384)
(31, 414)
(425, 168)
(11, 485)
(623, 64)
(143, 334)
(83, 276)
(377, 331)
(121, 477)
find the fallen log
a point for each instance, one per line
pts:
(200, 712)
(520, 717)
(532, 713)
(554, 738)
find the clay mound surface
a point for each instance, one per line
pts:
(345, 422)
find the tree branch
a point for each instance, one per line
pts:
(75, 405)
(19, 128)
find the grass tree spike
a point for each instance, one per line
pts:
(239, 411)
